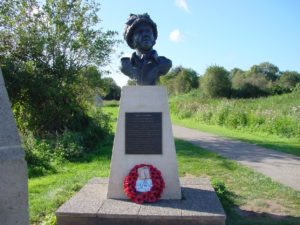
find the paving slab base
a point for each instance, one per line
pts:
(90, 206)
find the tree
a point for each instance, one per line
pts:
(237, 77)
(110, 91)
(168, 80)
(48, 55)
(180, 80)
(259, 81)
(269, 70)
(289, 79)
(185, 81)
(215, 82)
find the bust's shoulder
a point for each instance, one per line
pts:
(165, 61)
(125, 60)
(126, 66)
(125, 63)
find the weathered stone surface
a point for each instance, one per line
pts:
(86, 202)
(8, 131)
(113, 208)
(13, 168)
(144, 99)
(164, 208)
(199, 206)
(13, 193)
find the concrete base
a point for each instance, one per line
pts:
(199, 206)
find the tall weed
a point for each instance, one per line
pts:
(279, 115)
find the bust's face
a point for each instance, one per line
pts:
(143, 38)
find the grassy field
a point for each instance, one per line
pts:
(283, 144)
(272, 122)
(248, 198)
(48, 192)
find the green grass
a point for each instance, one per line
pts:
(249, 198)
(287, 145)
(272, 122)
(47, 193)
(246, 191)
(112, 111)
(242, 187)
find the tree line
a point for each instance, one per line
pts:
(260, 80)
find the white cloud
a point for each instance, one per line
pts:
(182, 4)
(175, 36)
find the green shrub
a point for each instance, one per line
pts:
(69, 146)
(39, 156)
(180, 80)
(215, 82)
(236, 119)
(43, 154)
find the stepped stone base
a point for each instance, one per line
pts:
(199, 206)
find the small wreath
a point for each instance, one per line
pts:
(144, 183)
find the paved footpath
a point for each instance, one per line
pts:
(281, 167)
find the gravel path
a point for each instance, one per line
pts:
(281, 167)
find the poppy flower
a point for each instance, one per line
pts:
(152, 198)
(138, 199)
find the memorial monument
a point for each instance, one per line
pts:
(143, 186)
(144, 131)
(13, 167)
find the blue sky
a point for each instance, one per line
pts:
(200, 33)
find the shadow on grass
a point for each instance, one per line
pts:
(237, 216)
(200, 162)
(186, 150)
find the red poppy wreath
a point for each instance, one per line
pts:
(144, 183)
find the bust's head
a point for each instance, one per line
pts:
(143, 37)
(140, 32)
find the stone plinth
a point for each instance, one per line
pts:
(144, 99)
(13, 168)
(199, 206)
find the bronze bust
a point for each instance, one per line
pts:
(144, 65)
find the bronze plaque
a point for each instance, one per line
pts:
(143, 133)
